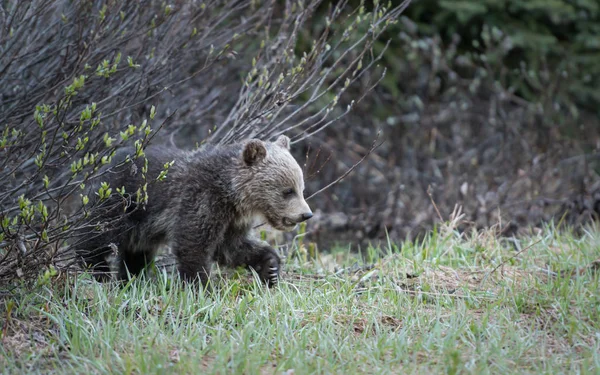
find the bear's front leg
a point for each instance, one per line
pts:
(265, 261)
(253, 254)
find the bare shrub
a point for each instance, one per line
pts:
(78, 80)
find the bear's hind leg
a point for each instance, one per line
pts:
(98, 265)
(93, 253)
(132, 263)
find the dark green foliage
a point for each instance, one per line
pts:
(560, 35)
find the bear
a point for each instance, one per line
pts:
(204, 208)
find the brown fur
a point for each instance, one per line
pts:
(203, 210)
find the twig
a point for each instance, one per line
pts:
(374, 146)
(435, 294)
(433, 202)
(505, 261)
(147, 141)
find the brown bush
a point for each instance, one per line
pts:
(79, 80)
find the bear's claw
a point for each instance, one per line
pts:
(270, 271)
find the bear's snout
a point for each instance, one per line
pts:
(292, 221)
(305, 216)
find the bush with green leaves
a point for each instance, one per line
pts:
(560, 35)
(80, 79)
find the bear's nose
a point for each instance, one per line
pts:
(306, 216)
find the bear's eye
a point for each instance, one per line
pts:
(288, 193)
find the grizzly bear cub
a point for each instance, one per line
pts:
(203, 209)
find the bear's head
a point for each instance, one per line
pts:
(271, 183)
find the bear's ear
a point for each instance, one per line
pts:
(283, 141)
(254, 151)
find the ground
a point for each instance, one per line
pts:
(452, 303)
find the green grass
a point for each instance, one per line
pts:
(451, 304)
